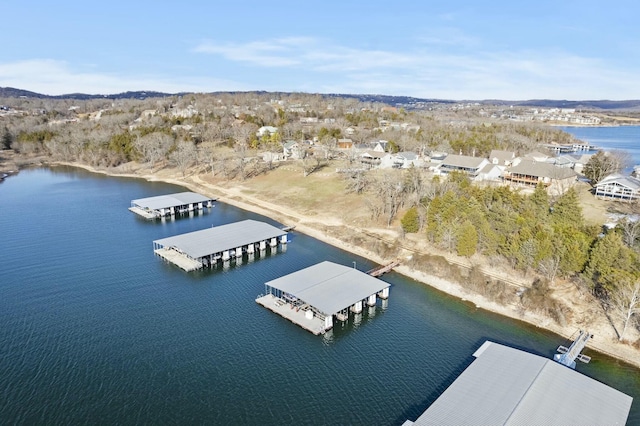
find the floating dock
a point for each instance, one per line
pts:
(195, 250)
(170, 205)
(313, 296)
(567, 356)
(507, 386)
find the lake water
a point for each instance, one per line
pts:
(96, 329)
(623, 138)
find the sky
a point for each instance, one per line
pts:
(452, 49)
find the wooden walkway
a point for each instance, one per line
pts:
(380, 270)
(296, 315)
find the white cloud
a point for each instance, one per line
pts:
(273, 53)
(427, 72)
(318, 65)
(54, 77)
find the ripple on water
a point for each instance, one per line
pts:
(97, 329)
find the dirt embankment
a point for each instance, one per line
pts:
(288, 198)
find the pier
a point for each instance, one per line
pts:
(170, 205)
(207, 247)
(314, 296)
(383, 269)
(507, 386)
(567, 356)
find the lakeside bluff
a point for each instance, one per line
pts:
(487, 202)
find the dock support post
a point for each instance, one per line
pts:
(283, 239)
(162, 212)
(372, 300)
(274, 242)
(328, 322)
(384, 294)
(191, 207)
(250, 248)
(357, 308)
(225, 255)
(200, 205)
(263, 245)
(172, 210)
(209, 204)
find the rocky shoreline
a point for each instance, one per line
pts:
(317, 229)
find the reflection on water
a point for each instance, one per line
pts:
(100, 328)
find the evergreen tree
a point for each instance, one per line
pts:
(410, 221)
(539, 202)
(467, 241)
(610, 258)
(7, 139)
(572, 245)
(567, 210)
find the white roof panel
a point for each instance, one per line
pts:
(220, 238)
(507, 386)
(170, 200)
(328, 286)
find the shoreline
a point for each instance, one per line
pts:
(619, 351)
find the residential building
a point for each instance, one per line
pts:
(462, 163)
(490, 173)
(345, 143)
(618, 187)
(292, 149)
(502, 158)
(266, 130)
(530, 173)
(372, 159)
(400, 160)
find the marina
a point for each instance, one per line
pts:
(507, 386)
(159, 344)
(198, 249)
(314, 296)
(170, 205)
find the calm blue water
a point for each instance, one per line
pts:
(96, 329)
(623, 138)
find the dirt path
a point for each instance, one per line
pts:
(586, 313)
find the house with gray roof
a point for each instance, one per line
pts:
(535, 156)
(462, 163)
(372, 159)
(530, 173)
(618, 187)
(264, 130)
(502, 158)
(292, 149)
(490, 173)
(400, 160)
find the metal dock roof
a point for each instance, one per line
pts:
(507, 386)
(170, 200)
(328, 286)
(220, 238)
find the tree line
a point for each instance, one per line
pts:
(533, 233)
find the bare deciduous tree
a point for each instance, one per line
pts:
(625, 303)
(183, 156)
(550, 267)
(154, 146)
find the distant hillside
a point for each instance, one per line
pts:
(405, 101)
(10, 92)
(551, 103)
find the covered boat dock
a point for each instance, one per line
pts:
(169, 205)
(507, 386)
(195, 250)
(313, 296)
